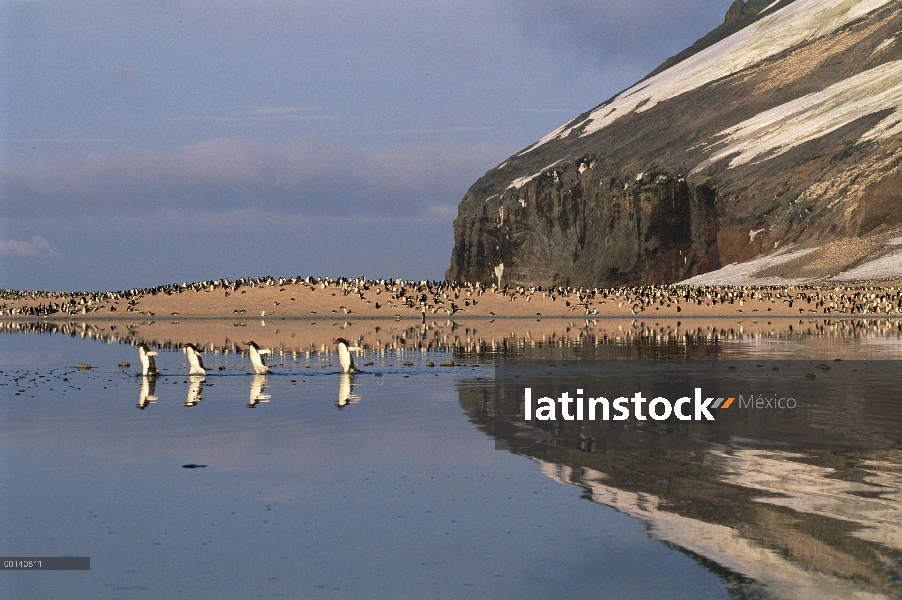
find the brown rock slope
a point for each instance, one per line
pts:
(786, 132)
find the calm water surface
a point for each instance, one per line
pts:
(389, 485)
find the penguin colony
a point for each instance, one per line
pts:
(446, 299)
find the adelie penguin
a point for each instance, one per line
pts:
(345, 357)
(257, 358)
(148, 365)
(195, 362)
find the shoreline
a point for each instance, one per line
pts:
(95, 318)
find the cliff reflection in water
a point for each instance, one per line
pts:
(805, 524)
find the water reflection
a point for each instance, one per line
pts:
(258, 385)
(346, 393)
(148, 388)
(813, 524)
(771, 523)
(195, 389)
(306, 339)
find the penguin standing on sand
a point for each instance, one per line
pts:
(148, 365)
(344, 355)
(194, 360)
(257, 358)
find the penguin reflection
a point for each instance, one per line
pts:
(195, 389)
(148, 387)
(346, 393)
(258, 384)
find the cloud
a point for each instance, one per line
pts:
(219, 175)
(226, 206)
(37, 247)
(264, 113)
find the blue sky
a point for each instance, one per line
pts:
(145, 143)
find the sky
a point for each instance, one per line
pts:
(162, 141)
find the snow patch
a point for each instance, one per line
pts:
(770, 6)
(780, 129)
(521, 181)
(744, 273)
(884, 44)
(879, 268)
(799, 22)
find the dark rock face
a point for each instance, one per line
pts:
(736, 11)
(576, 226)
(641, 200)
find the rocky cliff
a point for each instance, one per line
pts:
(781, 127)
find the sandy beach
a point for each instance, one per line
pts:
(315, 299)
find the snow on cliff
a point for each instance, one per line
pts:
(780, 129)
(797, 23)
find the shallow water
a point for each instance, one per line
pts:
(389, 484)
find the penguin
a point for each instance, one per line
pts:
(148, 365)
(257, 358)
(195, 361)
(345, 357)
